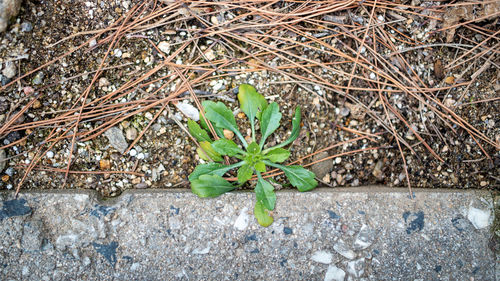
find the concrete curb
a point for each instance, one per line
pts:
(370, 233)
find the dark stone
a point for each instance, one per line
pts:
(252, 237)
(176, 210)
(14, 136)
(437, 268)
(255, 251)
(101, 211)
(287, 230)
(417, 224)
(107, 251)
(5, 80)
(333, 215)
(460, 223)
(13, 208)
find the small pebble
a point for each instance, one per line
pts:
(50, 154)
(322, 257)
(103, 82)
(344, 111)
(228, 134)
(38, 79)
(164, 47)
(9, 70)
(118, 53)
(334, 273)
(26, 26)
(131, 133)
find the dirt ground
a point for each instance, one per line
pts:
(165, 155)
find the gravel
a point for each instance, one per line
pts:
(322, 168)
(116, 139)
(9, 70)
(3, 161)
(8, 9)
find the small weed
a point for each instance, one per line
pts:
(206, 179)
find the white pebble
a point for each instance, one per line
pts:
(334, 274)
(132, 152)
(118, 53)
(164, 47)
(372, 76)
(479, 218)
(322, 257)
(190, 111)
(50, 154)
(242, 221)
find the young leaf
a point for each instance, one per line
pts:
(245, 173)
(295, 131)
(219, 114)
(265, 193)
(204, 125)
(270, 121)
(262, 215)
(207, 152)
(299, 177)
(210, 186)
(260, 166)
(253, 148)
(227, 147)
(277, 155)
(251, 102)
(197, 132)
(212, 169)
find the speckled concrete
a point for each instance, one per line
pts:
(367, 233)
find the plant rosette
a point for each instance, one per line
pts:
(253, 158)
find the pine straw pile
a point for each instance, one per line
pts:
(393, 92)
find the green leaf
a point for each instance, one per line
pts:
(245, 173)
(219, 114)
(227, 147)
(251, 102)
(253, 148)
(264, 192)
(197, 132)
(271, 117)
(262, 215)
(212, 169)
(299, 177)
(260, 166)
(295, 131)
(208, 151)
(278, 155)
(204, 125)
(210, 186)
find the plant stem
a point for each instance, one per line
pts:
(269, 163)
(252, 124)
(242, 139)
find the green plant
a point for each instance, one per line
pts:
(206, 179)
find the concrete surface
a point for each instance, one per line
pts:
(368, 233)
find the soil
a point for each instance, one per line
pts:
(166, 155)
